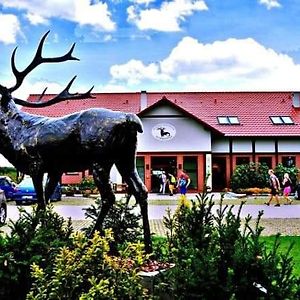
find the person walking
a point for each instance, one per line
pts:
(183, 183)
(275, 188)
(287, 188)
(164, 181)
(172, 183)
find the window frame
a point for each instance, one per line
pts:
(282, 120)
(228, 120)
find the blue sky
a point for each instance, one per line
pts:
(175, 45)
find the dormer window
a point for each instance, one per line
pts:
(228, 120)
(282, 120)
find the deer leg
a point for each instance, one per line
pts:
(52, 181)
(101, 178)
(38, 186)
(129, 173)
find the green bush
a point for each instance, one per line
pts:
(85, 270)
(121, 218)
(10, 172)
(87, 183)
(250, 175)
(292, 171)
(34, 238)
(217, 258)
(255, 175)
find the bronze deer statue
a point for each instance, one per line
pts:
(94, 139)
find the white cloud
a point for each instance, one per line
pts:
(167, 18)
(233, 64)
(35, 19)
(28, 88)
(146, 2)
(96, 15)
(82, 12)
(135, 71)
(270, 3)
(9, 29)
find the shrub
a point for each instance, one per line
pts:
(292, 171)
(217, 258)
(121, 219)
(34, 238)
(249, 176)
(10, 172)
(87, 183)
(84, 271)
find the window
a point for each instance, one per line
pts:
(288, 161)
(140, 166)
(267, 160)
(243, 160)
(225, 120)
(191, 167)
(282, 120)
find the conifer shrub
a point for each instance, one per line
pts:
(217, 256)
(85, 270)
(34, 238)
(122, 219)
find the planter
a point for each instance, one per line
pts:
(150, 279)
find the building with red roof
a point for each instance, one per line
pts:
(199, 132)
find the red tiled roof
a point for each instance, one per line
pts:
(127, 102)
(252, 108)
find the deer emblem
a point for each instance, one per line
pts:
(94, 139)
(163, 132)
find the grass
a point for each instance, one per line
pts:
(285, 242)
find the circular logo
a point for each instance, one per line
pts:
(163, 131)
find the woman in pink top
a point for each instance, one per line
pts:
(287, 188)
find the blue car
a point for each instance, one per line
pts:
(8, 186)
(25, 192)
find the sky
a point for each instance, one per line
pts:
(134, 45)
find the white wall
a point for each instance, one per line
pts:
(241, 146)
(220, 145)
(186, 135)
(4, 162)
(265, 146)
(289, 146)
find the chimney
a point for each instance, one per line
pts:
(296, 99)
(143, 100)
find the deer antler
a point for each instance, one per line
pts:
(62, 96)
(37, 60)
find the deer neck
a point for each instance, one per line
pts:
(11, 123)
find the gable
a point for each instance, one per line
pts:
(167, 129)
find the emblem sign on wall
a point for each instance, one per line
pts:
(163, 131)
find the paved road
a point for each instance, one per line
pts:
(158, 211)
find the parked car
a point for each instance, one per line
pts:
(3, 207)
(8, 186)
(25, 192)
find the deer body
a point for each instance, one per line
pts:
(69, 143)
(90, 139)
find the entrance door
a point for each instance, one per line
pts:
(218, 173)
(158, 165)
